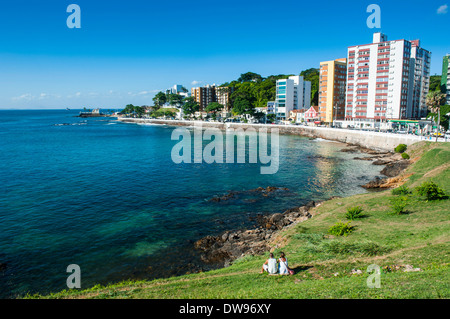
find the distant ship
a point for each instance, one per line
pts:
(93, 113)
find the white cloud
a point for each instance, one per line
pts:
(442, 9)
(196, 82)
(26, 96)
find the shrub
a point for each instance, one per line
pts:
(341, 229)
(400, 148)
(431, 191)
(405, 156)
(402, 190)
(354, 213)
(398, 205)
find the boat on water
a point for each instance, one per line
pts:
(91, 113)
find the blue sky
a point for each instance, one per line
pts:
(126, 51)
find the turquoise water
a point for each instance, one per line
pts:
(107, 196)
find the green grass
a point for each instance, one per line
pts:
(323, 263)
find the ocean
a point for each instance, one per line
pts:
(107, 196)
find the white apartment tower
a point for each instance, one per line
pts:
(293, 93)
(386, 80)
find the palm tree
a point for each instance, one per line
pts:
(434, 102)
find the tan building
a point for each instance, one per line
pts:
(332, 84)
(223, 97)
(204, 95)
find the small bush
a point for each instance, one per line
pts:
(405, 156)
(400, 148)
(354, 213)
(398, 205)
(431, 191)
(341, 229)
(402, 190)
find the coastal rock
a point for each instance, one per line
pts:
(310, 204)
(268, 189)
(395, 168)
(225, 197)
(228, 246)
(206, 242)
(376, 183)
(236, 194)
(349, 150)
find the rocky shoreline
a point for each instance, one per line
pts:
(231, 245)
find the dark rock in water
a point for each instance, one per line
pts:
(395, 168)
(363, 158)
(236, 195)
(225, 197)
(2, 266)
(375, 183)
(382, 161)
(310, 204)
(206, 242)
(349, 150)
(268, 189)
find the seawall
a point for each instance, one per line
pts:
(374, 140)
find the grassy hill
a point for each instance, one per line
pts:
(324, 263)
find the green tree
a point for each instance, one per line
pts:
(444, 121)
(312, 75)
(242, 105)
(435, 84)
(271, 117)
(250, 77)
(175, 99)
(213, 108)
(160, 99)
(190, 106)
(434, 102)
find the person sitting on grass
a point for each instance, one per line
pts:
(270, 265)
(284, 269)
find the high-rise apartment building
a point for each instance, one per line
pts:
(420, 77)
(223, 94)
(445, 79)
(386, 80)
(212, 93)
(332, 85)
(293, 93)
(204, 95)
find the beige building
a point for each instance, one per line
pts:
(223, 97)
(332, 85)
(204, 95)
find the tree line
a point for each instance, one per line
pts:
(249, 91)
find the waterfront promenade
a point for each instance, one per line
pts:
(374, 140)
